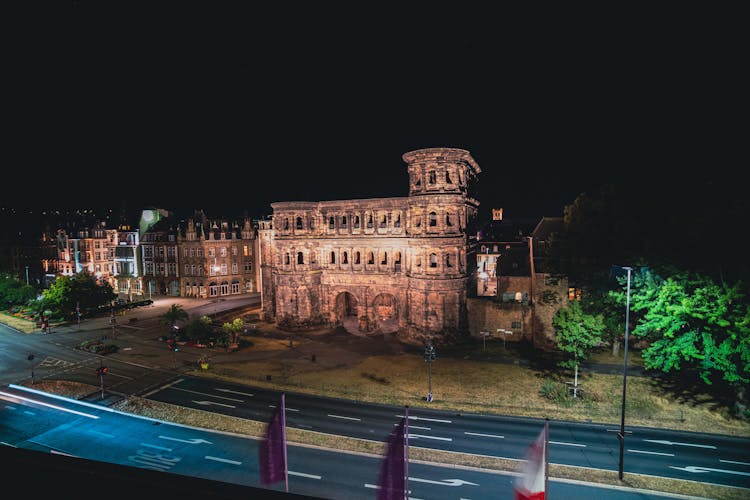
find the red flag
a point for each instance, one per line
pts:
(272, 450)
(532, 485)
(393, 476)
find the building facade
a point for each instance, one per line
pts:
(217, 258)
(383, 265)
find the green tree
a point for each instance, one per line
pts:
(577, 333)
(199, 329)
(174, 314)
(14, 292)
(233, 329)
(692, 322)
(81, 289)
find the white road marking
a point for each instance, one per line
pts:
(8, 444)
(163, 448)
(217, 459)
(102, 434)
(444, 482)
(209, 403)
(693, 468)
(167, 386)
(567, 444)
(236, 392)
(210, 395)
(652, 453)
(347, 418)
(416, 427)
(674, 443)
(426, 419)
(302, 474)
(416, 436)
(286, 408)
(377, 487)
(733, 462)
(189, 441)
(485, 435)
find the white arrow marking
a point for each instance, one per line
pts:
(217, 459)
(235, 392)
(427, 419)
(567, 444)
(415, 436)
(189, 441)
(733, 462)
(347, 418)
(302, 474)
(485, 435)
(444, 482)
(674, 443)
(652, 453)
(693, 468)
(208, 403)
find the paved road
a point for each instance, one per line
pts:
(660, 452)
(62, 426)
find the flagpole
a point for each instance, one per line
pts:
(546, 459)
(406, 454)
(283, 433)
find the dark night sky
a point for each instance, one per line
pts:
(199, 105)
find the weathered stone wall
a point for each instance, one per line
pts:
(384, 262)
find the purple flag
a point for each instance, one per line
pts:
(272, 450)
(392, 483)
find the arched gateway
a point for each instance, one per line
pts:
(345, 311)
(377, 265)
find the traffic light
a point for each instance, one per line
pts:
(429, 353)
(102, 370)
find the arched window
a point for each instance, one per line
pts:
(369, 220)
(331, 222)
(333, 257)
(343, 221)
(418, 222)
(345, 258)
(286, 259)
(397, 222)
(286, 224)
(356, 258)
(448, 177)
(371, 258)
(448, 260)
(385, 259)
(433, 260)
(432, 177)
(448, 221)
(433, 219)
(300, 258)
(299, 222)
(356, 222)
(384, 221)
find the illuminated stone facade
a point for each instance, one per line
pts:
(382, 265)
(216, 258)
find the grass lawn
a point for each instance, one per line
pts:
(483, 386)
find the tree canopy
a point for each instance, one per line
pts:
(690, 321)
(81, 289)
(577, 333)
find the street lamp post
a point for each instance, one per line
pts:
(27, 275)
(429, 357)
(621, 434)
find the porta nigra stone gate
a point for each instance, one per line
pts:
(381, 265)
